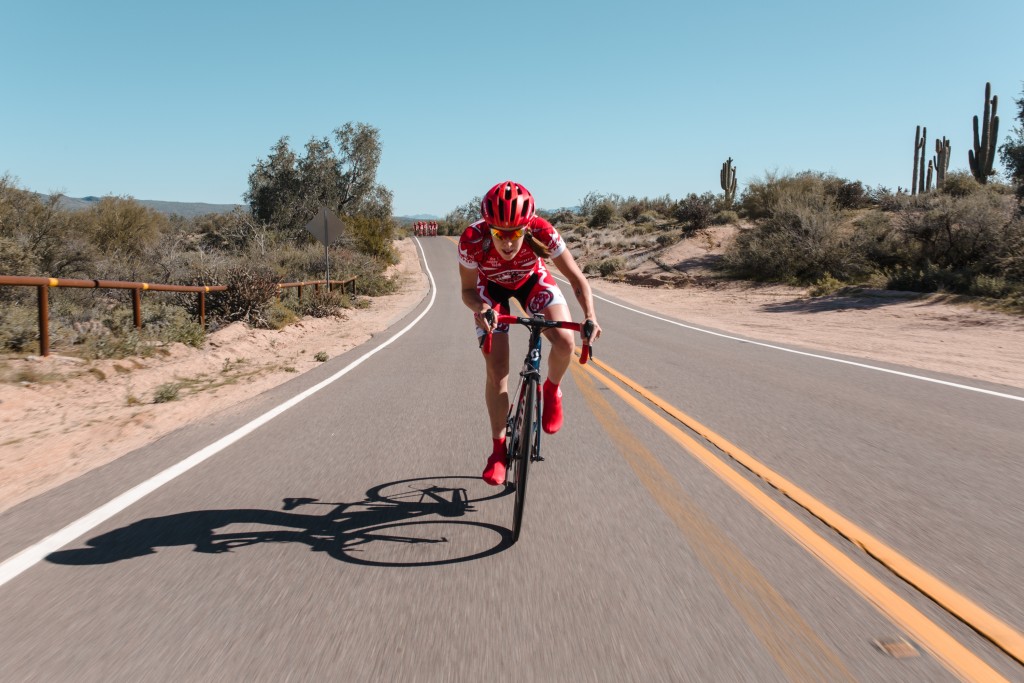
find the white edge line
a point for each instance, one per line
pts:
(25, 559)
(813, 355)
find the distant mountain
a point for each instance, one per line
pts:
(185, 209)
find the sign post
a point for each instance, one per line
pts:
(326, 227)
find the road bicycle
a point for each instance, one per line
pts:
(522, 428)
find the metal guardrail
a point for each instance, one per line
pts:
(316, 285)
(43, 285)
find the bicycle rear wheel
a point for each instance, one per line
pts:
(526, 439)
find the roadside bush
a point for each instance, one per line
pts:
(251, 291)
(695, 211)
(280, 315)
(168, 323)
(969, 234)
(727, 217)
(668, 239)
(610, 266)
(995, 287)
(602, 215)
(825, 286)
(323, 304)
(646, 217)
(801, 242)
(760, 196)
(960, 184)
(373, 236)
(19, 328)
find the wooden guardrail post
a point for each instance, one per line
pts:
(44, 320)
(202, 309)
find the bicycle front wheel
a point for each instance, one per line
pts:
(528, 423)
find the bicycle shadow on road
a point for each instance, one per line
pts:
(410, 512)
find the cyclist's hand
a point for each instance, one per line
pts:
(591, 331)
(485, 320)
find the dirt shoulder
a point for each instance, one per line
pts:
(61, 417)
(68, 417)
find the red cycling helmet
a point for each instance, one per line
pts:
(507, 205)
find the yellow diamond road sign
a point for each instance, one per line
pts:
(326, 227)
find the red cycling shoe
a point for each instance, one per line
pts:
(551, 419)
(494, 473)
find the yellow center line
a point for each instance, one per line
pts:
(1001, 634)
(794, 645)
(954, 656)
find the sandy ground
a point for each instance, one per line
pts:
(65, 417)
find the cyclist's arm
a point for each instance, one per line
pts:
(471, 297)
(580, 287)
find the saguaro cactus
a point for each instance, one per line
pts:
(919, 137)
(941, 161)
(728, 180)
(984, 152)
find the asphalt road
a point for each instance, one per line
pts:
(348, 537)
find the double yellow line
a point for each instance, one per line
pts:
(931, 637)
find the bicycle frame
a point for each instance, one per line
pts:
(522, 427)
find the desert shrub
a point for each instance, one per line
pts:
(640, 229)
(251, 291)
(19, 327)
(169, 323)
(232, 232)
(968, 233)
(323, 304)
(727, 217)
(760, 195)
(610, 266)
(846, 194)
(993, 286)
(647, 217)
(563, 216)
(960, 184)
(96, 345)
(602, 215)
(929, 278)
(825, 285)
(695, 211)
(668, 238)
(120, 225)
(373, 236)
(801, 241)
(167, 392)
(280, 315)
(877, 239)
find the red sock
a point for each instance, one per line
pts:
(499, 445)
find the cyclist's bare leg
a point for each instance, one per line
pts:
(496, 389)
(562, 343)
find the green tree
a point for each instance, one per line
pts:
(286, 190)
(456, 220)
(37, 236)
(120, 226)
(1012, 151)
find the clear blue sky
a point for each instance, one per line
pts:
(177, 101)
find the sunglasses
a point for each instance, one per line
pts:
(500, 234)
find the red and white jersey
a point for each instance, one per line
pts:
(475, 251)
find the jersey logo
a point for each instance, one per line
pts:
(539, 301)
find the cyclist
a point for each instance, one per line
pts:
(501, 256)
